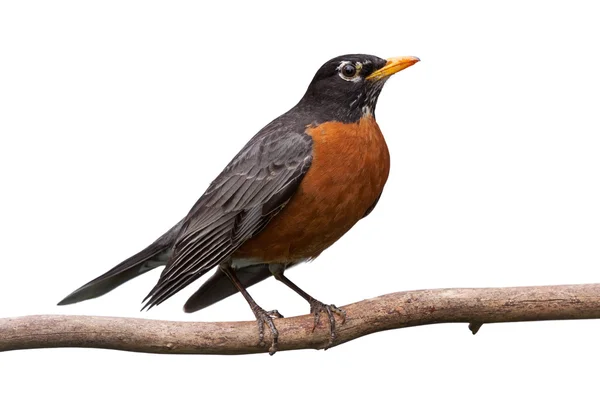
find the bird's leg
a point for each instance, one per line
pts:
(316, 307)
(262, 317)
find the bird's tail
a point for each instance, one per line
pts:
(151, 257)
(219, 287)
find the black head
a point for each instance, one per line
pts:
(347, 87)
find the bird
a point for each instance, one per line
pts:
(292, 191)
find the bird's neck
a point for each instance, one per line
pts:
(341, 110)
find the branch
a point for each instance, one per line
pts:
(391, 311)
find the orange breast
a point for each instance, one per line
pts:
(349, 169)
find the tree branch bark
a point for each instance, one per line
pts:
(391, 311)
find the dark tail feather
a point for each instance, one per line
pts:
(151, 257)
(219, 287)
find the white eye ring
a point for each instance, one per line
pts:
(349, 71)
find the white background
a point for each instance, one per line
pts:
(115, 116)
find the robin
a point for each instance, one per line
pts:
(293, 190)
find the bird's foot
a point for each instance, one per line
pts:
(266, 318)
(316, 308)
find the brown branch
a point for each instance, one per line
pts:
(392, 311)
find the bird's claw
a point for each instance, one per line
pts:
(316, 308)
(266, 318)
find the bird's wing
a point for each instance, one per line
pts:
(252, 189)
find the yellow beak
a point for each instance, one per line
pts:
(392, 66)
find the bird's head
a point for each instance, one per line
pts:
(346, 88)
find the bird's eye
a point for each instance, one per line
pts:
(349, 71)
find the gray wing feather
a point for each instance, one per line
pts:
(237, 205)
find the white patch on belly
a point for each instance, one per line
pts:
(239, 263)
